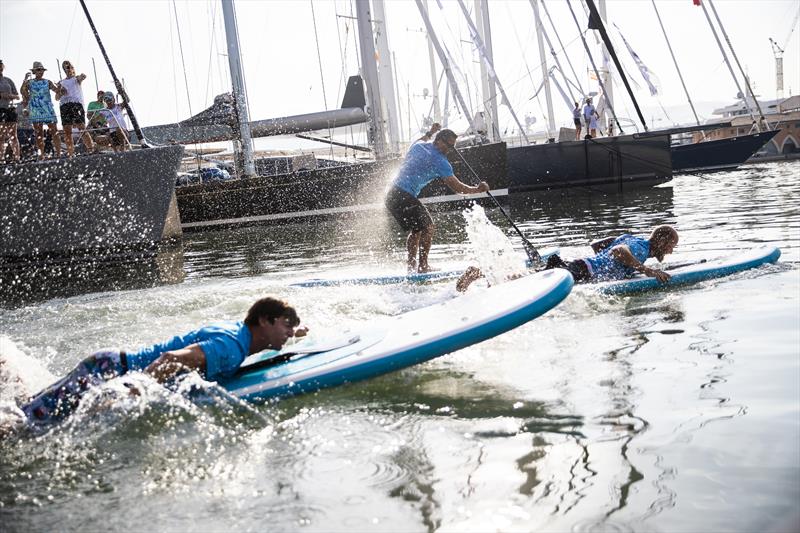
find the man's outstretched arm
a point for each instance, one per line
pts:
(462, 188)
(623, 255)
(171, 363)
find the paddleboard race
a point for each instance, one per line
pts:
(399, 266)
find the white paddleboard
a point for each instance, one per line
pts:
(411, 338)
(693, 273)
(400, 277)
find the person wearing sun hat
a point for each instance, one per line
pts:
(36, 99)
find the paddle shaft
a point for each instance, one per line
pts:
(530, 249)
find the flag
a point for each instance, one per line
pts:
(696, 2)
(647, 74)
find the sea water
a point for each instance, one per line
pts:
(664, 411)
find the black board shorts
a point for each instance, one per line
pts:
(577, 122)
(73, 113)
(407, 210)
(8, 115)
(578, 267)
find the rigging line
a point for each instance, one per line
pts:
(594, 66)
(342, 55)
(172, 64)
(211, 50)
(185, 78)
(319, 55)
(738, 64)
(563, 48)
(675, 62)
(69, 33)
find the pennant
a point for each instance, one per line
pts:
(647, 74)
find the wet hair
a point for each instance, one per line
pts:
(445, 135)
(271, 308)
(663, 234)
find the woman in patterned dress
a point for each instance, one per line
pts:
(36, 99)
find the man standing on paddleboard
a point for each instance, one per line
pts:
(615, 258)
(214, 351)
(424, 163)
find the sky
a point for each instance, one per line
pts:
(297, 54)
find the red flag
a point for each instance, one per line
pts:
(696, 2)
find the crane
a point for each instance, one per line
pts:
(777, 50)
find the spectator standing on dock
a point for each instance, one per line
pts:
(114, 115)
(423, 163)
(576, 119)
(590, 116)
(37, 101)
(8, 116)
(72, 112)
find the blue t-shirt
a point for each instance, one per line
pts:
(225, 346)
(423, 164)
(605, 267)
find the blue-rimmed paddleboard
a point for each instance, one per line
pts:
(697, 272)
(407, 339)
(391, 279)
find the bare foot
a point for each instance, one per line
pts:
(466, 279)
(426, 268)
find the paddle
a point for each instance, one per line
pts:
(530, 249)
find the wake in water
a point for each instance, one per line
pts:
(491, 249)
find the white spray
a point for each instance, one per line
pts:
(491, 248)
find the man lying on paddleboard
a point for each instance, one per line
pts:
(214, 351)
(615, 258)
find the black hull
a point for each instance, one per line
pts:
(720, 154)
(86, 206)
(610, 163)
(332, 190)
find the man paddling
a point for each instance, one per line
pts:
(214, 351)
(424, 163)
(615, 258)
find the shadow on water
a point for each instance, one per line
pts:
(31, 282)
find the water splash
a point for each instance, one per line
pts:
(491, 249)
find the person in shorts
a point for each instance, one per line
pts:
(8, 116)
(423, 163)
(71, 107)
(614, 258)
(576, 119)
(115, 118)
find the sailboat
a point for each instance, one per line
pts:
(93, 206)
(270, 189)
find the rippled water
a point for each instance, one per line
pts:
(665, 411)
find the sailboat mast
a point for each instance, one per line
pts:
(489, 88)
(437, 111)
(725, 57)
(609, 94)
(675, 61)
(594, 65)
(377, 134)
(389, 98)
(545, 73)
(237, 80)
(120, 88)
(446, 64)
(490, 66)
(594, 16)
(736, 58)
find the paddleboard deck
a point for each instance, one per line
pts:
(693, 273)
(391, 279)
(405, 340)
